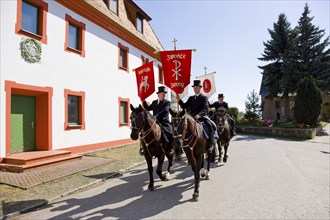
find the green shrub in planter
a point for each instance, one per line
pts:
(307, 102)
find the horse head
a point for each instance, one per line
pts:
(137, 121)
(183, 125)
(179, 122)
(220, 119)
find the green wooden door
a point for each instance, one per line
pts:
(22, 127)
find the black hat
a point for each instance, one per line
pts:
(197, 83)
(161, 89)
(220, 95)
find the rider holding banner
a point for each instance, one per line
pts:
(160, 108)
(198, 108)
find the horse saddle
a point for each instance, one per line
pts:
(207, 132)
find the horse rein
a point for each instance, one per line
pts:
(144, 134)
(175, 128)
(185, 128)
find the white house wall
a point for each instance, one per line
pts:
(96, 74)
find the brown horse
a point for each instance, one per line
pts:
(221, 120)
(189, 134)
(144, 124)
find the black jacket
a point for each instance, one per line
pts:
(162, 111)
(218, 105)
(196, 106)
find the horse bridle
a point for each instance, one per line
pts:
(221, 119)
(182, 119)
(185, 128)
(134, 126)
(144, 134)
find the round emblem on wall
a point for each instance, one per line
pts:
(207, 85)
(31, 50)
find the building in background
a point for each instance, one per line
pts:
(67, 76)
(279, 109)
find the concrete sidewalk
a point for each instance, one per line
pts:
(323, 136)
(29, 190)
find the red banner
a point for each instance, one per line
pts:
(145, 80)
(176, 69)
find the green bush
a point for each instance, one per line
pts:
(307, 102)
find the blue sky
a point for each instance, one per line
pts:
(228, 36)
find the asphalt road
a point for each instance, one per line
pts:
(264, 178)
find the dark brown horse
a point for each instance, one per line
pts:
(189, 134)
(220, 118)
(144, 124)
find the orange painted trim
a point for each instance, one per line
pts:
(84, 9)
(43, 113)
(82, 123)
(127, 101)
(43, 6)
(98, 146)
(82, 29)
(126, 49)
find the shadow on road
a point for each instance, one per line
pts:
(248, 138)
(130, 199)
(322, 133)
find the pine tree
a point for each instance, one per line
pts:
(278, 51)
(252, 106)
(307, 102)
(313, 54)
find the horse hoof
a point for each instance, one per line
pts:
(151, 188)
(167, 175)
(207, 175)
(195, 197)
(225, 160)
(202, 172)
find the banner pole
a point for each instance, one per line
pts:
(177, 107)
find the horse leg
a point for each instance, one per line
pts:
(225, 156)
(207, 176)
(197, 163)
(159, 170)
(151, 175)
(170, 163)
(220, 151)
(203, 173)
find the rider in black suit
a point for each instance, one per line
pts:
(198, 108)
(161, 109)
(220, 103)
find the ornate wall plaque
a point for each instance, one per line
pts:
(31, 50)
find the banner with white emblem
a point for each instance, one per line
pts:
(176, 68)
(145, 80)
(208, 84)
